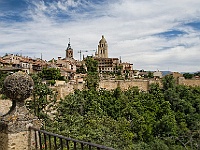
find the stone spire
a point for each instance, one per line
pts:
(103, 48)
(69, 51)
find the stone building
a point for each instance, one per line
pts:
(157, 74)
(69, 51)
(19, 62)
(66, 65)
(106, 64)
(102, 49)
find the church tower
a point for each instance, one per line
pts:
(102, 48)
(69, 51)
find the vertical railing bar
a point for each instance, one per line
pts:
(55, 142)
(40, 140)
(74, 145)
(82, 146)
(45, 141)
(61, 143)
(90, 147)
(67, 143)
(49, 141)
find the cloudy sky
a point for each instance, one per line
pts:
(151, 34)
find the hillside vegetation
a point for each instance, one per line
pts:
(160, 119)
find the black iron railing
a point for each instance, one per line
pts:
(50, 141)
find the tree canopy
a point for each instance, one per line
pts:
(161, 119)
(165, 118)
(50, 74)
(92, 80)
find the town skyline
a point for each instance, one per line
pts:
(153, 35)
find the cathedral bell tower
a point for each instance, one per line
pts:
(102, 48)
(69, 51)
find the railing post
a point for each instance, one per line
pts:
(14, 125)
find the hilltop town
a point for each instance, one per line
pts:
(125, 110)
(68, 66)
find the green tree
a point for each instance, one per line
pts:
(187, 75)
(168, 82)
(92, 80)
(118, 70)
(50, 74)
(43, 99)
(149, 74)
(162, 118)
(91, 64)
(81, 69)
(197, 74)
(2, 78)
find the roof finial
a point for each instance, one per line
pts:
(69, 40)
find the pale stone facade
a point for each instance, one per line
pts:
(105, 64)
(102, 49)
(110, 65)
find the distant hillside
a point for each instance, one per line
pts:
(165, 72)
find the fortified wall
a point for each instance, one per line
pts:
(189, 82)
(143, 85)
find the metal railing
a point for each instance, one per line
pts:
(49, 141)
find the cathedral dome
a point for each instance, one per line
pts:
(103, 40)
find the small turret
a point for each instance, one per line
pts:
(69, 51)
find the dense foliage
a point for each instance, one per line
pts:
(92, 80)
(43, 99)
(50, 74)
(2, 78)
(81, 69)
(167, 119)
(3, 75)
(188, 75)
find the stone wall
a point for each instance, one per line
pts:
(67, 89)
(189, 82)
(64, 90)
(17, 141)
(124, 84)
(5, 106)
(143, 85)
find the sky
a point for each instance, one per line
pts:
(150, 34)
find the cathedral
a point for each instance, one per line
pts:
(102, 49)
(106, 64)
